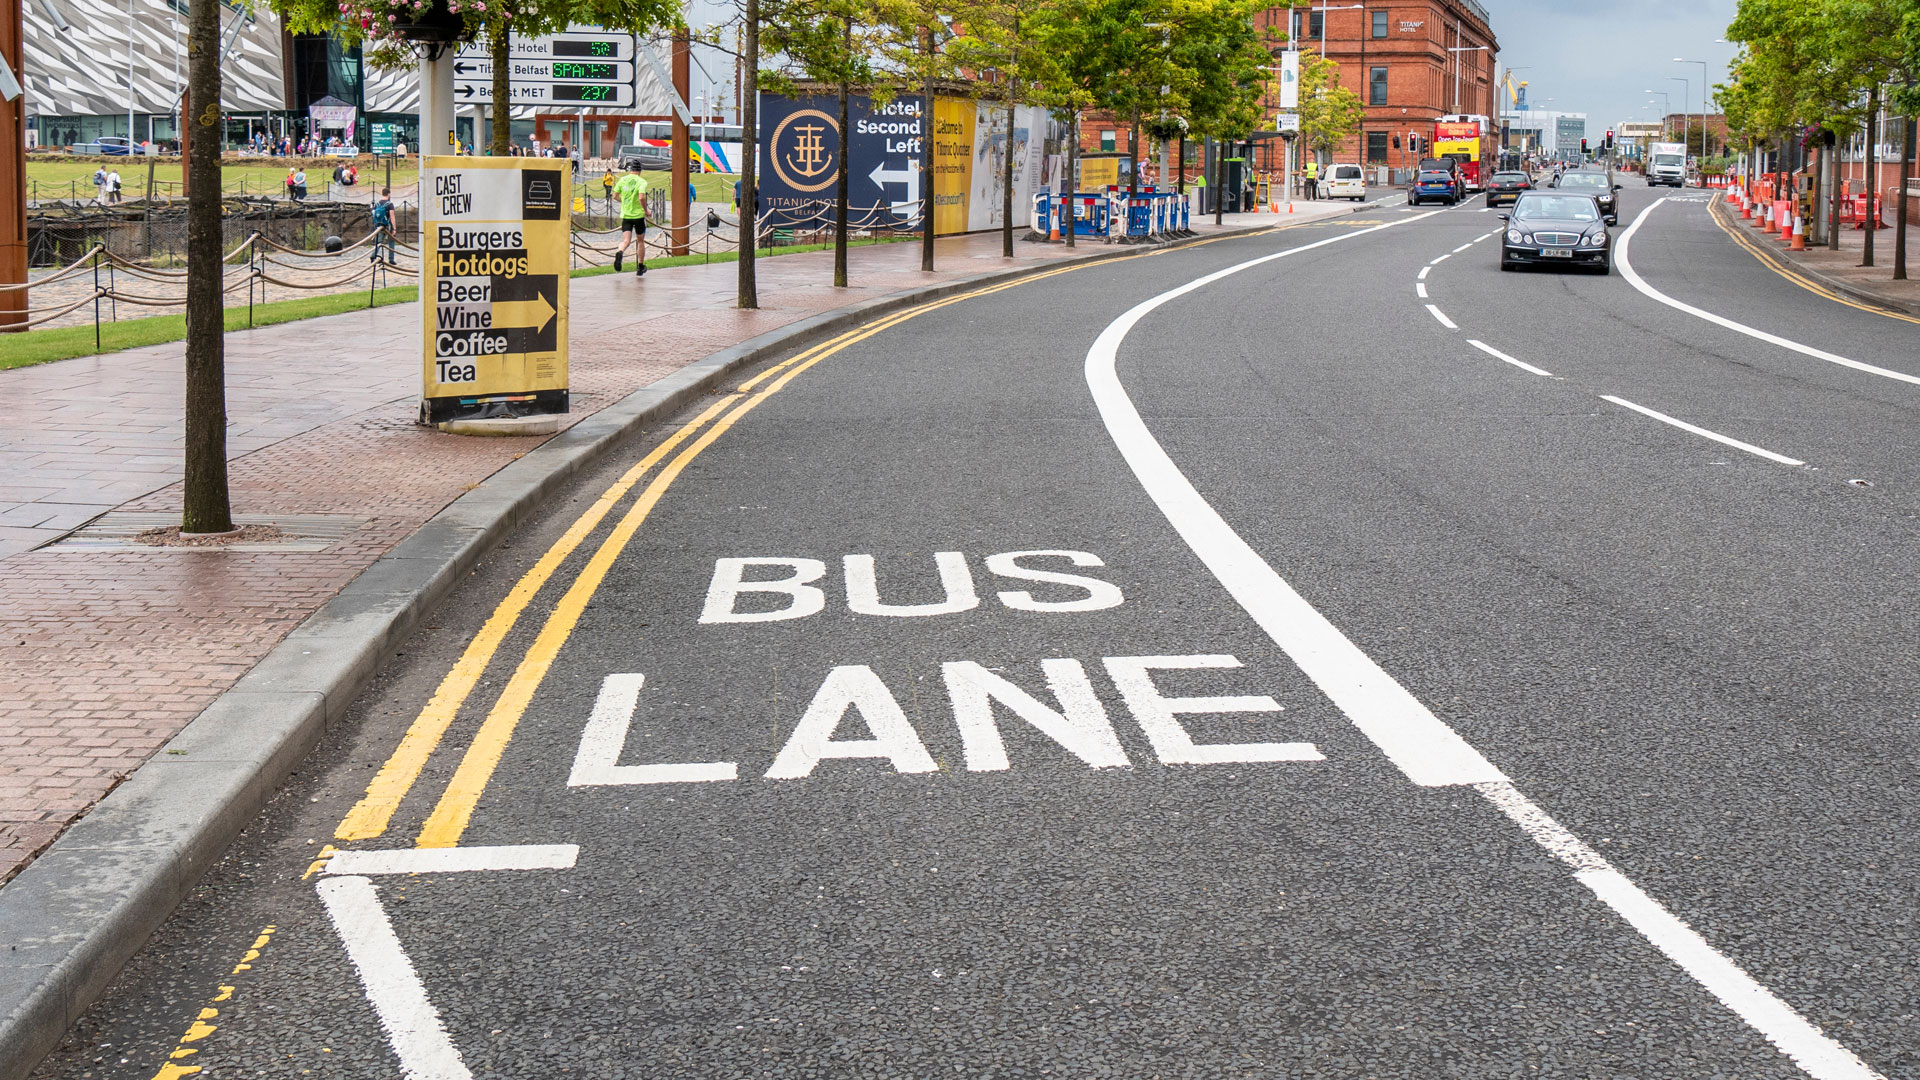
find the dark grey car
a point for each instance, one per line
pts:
(1557, 227)
(1595, 184)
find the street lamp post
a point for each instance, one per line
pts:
(1456, 70)
(1703, 100)
(1323, 22)
(1686, 121)
(1666, 109)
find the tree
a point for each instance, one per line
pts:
(1330, 114)
(826, 41)
(205, 506)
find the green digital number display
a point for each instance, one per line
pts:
(573, 69)
(578, 92)
(601, 48)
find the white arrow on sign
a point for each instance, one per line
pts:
(538, 71)
(909, 176)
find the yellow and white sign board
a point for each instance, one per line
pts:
(493, 287)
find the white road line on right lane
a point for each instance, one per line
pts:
(1461, 248)
(1703, 432)
(1424, 271)
(1424, 748)
(1420, 289)
(1442, 316)
(1634, 279)
(1441, 259)
(1498, 355)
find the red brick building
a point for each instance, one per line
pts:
(1409, 61)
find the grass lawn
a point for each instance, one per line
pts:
(61, 343)
(59, 179)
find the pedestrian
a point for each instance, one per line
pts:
(100, 184)
(383, 221)
(289, 183)
(1313, 178)
(736, 197)
(632, 190)
(692, 197)
(113, 184)
(300, 185)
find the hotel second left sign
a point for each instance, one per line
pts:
(493, 283)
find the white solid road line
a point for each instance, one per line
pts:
(454, 859)
(1442, 316)
(1418, 743)
(413, 1026)
(1420, 289)
(1808, 1047)
(1635, 280)
(1703, 432)
(1424, 271)
(1498, 355)
(1429, 752)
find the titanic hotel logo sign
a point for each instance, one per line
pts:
(806, 150)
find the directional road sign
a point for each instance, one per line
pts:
(579, 67)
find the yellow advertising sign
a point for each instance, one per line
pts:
(493, 287)
(1099, 174)
(952, 164)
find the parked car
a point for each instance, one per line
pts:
(107, 145)
(1344, 182)
(1505, 187)
(1553, 227)
(1436, 185)
(1593, 183)
(649, 157)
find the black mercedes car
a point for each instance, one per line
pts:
(1556, 227)
(1505, 187)
(1595, 184)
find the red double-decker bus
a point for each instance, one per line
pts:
(1468, 140)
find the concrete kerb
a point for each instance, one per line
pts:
(1821, 278)
(76, 914)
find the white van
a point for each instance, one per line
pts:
(1343, 182)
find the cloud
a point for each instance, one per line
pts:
(1600, 58)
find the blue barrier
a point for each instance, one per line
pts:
(1043, 213)
(1095, 215)
(1139, 213)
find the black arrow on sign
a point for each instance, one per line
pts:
(462, 69)
(466, 89)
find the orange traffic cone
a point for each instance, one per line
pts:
(1799, 234)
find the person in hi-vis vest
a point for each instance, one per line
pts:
(1313, 179)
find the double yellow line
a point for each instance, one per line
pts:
(1719, 216)
(372, 815)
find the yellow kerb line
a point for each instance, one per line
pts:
(1753, 248)
(455, 809)
(370, 816)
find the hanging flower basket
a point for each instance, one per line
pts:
(425, 22)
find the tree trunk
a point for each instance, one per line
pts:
(205, 508)
(499, 43)
(1830, 161)
(1006, 194)
(1070, 213)
(749, 291)
(926, 166)
(1900, 202)
(1873, 219)
(1219, 193)
(841, 186)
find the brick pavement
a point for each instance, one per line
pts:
(107, 654)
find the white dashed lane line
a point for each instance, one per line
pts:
(1498, 355)
(1703, 432)
(1424, 271)
(1440, 260)
(1420, 289)
(1442, 316)
(1463, 247)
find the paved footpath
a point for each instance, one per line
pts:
(109, 653)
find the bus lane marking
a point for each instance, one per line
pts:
(1424, 748)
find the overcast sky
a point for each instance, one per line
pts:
(1599, 56)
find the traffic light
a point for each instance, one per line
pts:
(1396, 142)
(1609, 140)
(1583, 146)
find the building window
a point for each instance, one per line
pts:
(1376, 148)
(1314, 24)
(1106, 140)
(1377, 86)
(1379, 24)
